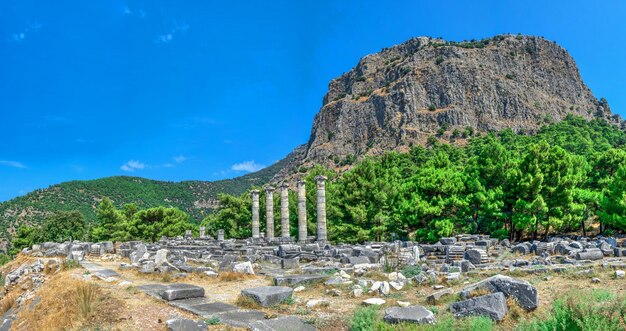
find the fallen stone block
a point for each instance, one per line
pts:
(524, 293)
(268, 295)
(491, 305)
(374, 302)
(181, 291)
(435, 297)
(410, 314)
(184, 324)
(298, 279)
(285, 323)
(592, 254)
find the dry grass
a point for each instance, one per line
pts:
(7, 302)
(478, 293)
(246, 302)
(68, 303)
(233, 276)
(86, 298)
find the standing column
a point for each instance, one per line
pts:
(269, 213)
(284, 210)
(302, 210)
(255, 213)
(321, 208)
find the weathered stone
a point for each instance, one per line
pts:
(285, 323)
(182, 291)
(268, 295)
(161, 257)
(590, 254)
(290, 263)
(411, 314)
(619, 274)
(244, 268)
(435, 297)
(183, 324)
(321, 208)
(491, 305)
(374, 302)
(524, 293)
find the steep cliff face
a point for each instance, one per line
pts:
(424, 87)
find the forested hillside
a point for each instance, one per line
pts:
(564, 178)
(197, 198)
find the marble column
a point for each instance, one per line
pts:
(284, 210)
(302, 210)
(202, 232)
(269, 213)
(255, 213)
(321, 208)
(220, 235)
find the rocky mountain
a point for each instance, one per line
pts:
(427, 87)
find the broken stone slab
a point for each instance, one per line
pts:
(436, 297)
(268, 295)
(244, 268)
(374, 302)
(183, 324)
(284, 323)
(475, 256)
(298, 279)
(410, 314)
(491, 305)
(354, 260)
(161, 257)
(592, 254)
(290, 263)
(181, 291)
(524, 293)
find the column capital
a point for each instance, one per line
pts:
(284, 185)
(254, 192)
(321, 178)
(301, 181)
(269, 188)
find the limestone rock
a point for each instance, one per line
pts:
(403, 94)
(244, 268)
(184, 324)
(411, 314)
(268, 295)
(374, 302)
(491, 305)
(524, 293)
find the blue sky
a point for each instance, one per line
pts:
(177, 90)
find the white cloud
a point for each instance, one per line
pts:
(180, 159)
(13, 164)
(248, 166)
(168, 165)
(166, 38)
(132, 165)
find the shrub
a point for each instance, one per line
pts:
(213, 321)
(411, 271)
(509, 76)
(363, 319)
(587, 310)
(432, 108)
(439, 60)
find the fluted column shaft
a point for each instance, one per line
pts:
(284, 211)
(269, 213)
(302, 230)
(255, 214)
(321, 208)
